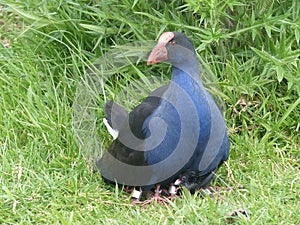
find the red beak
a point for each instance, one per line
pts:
(160, 53)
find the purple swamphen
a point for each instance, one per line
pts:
(178, 129)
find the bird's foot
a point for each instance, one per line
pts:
(150, 197)
(136, 196)
(136, 201)
(156, 198)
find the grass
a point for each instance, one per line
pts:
(46, 46)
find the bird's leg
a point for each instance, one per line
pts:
(129, 189)
(171, 192)
(156, 198)
(157, 192)
(136, 196)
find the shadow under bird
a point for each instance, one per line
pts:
(178, 129)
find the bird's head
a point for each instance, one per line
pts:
(172, 47)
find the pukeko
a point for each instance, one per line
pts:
(177, 129)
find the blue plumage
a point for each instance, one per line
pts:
(177, 129)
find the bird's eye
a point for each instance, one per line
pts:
(173, 43)
(183, 178)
